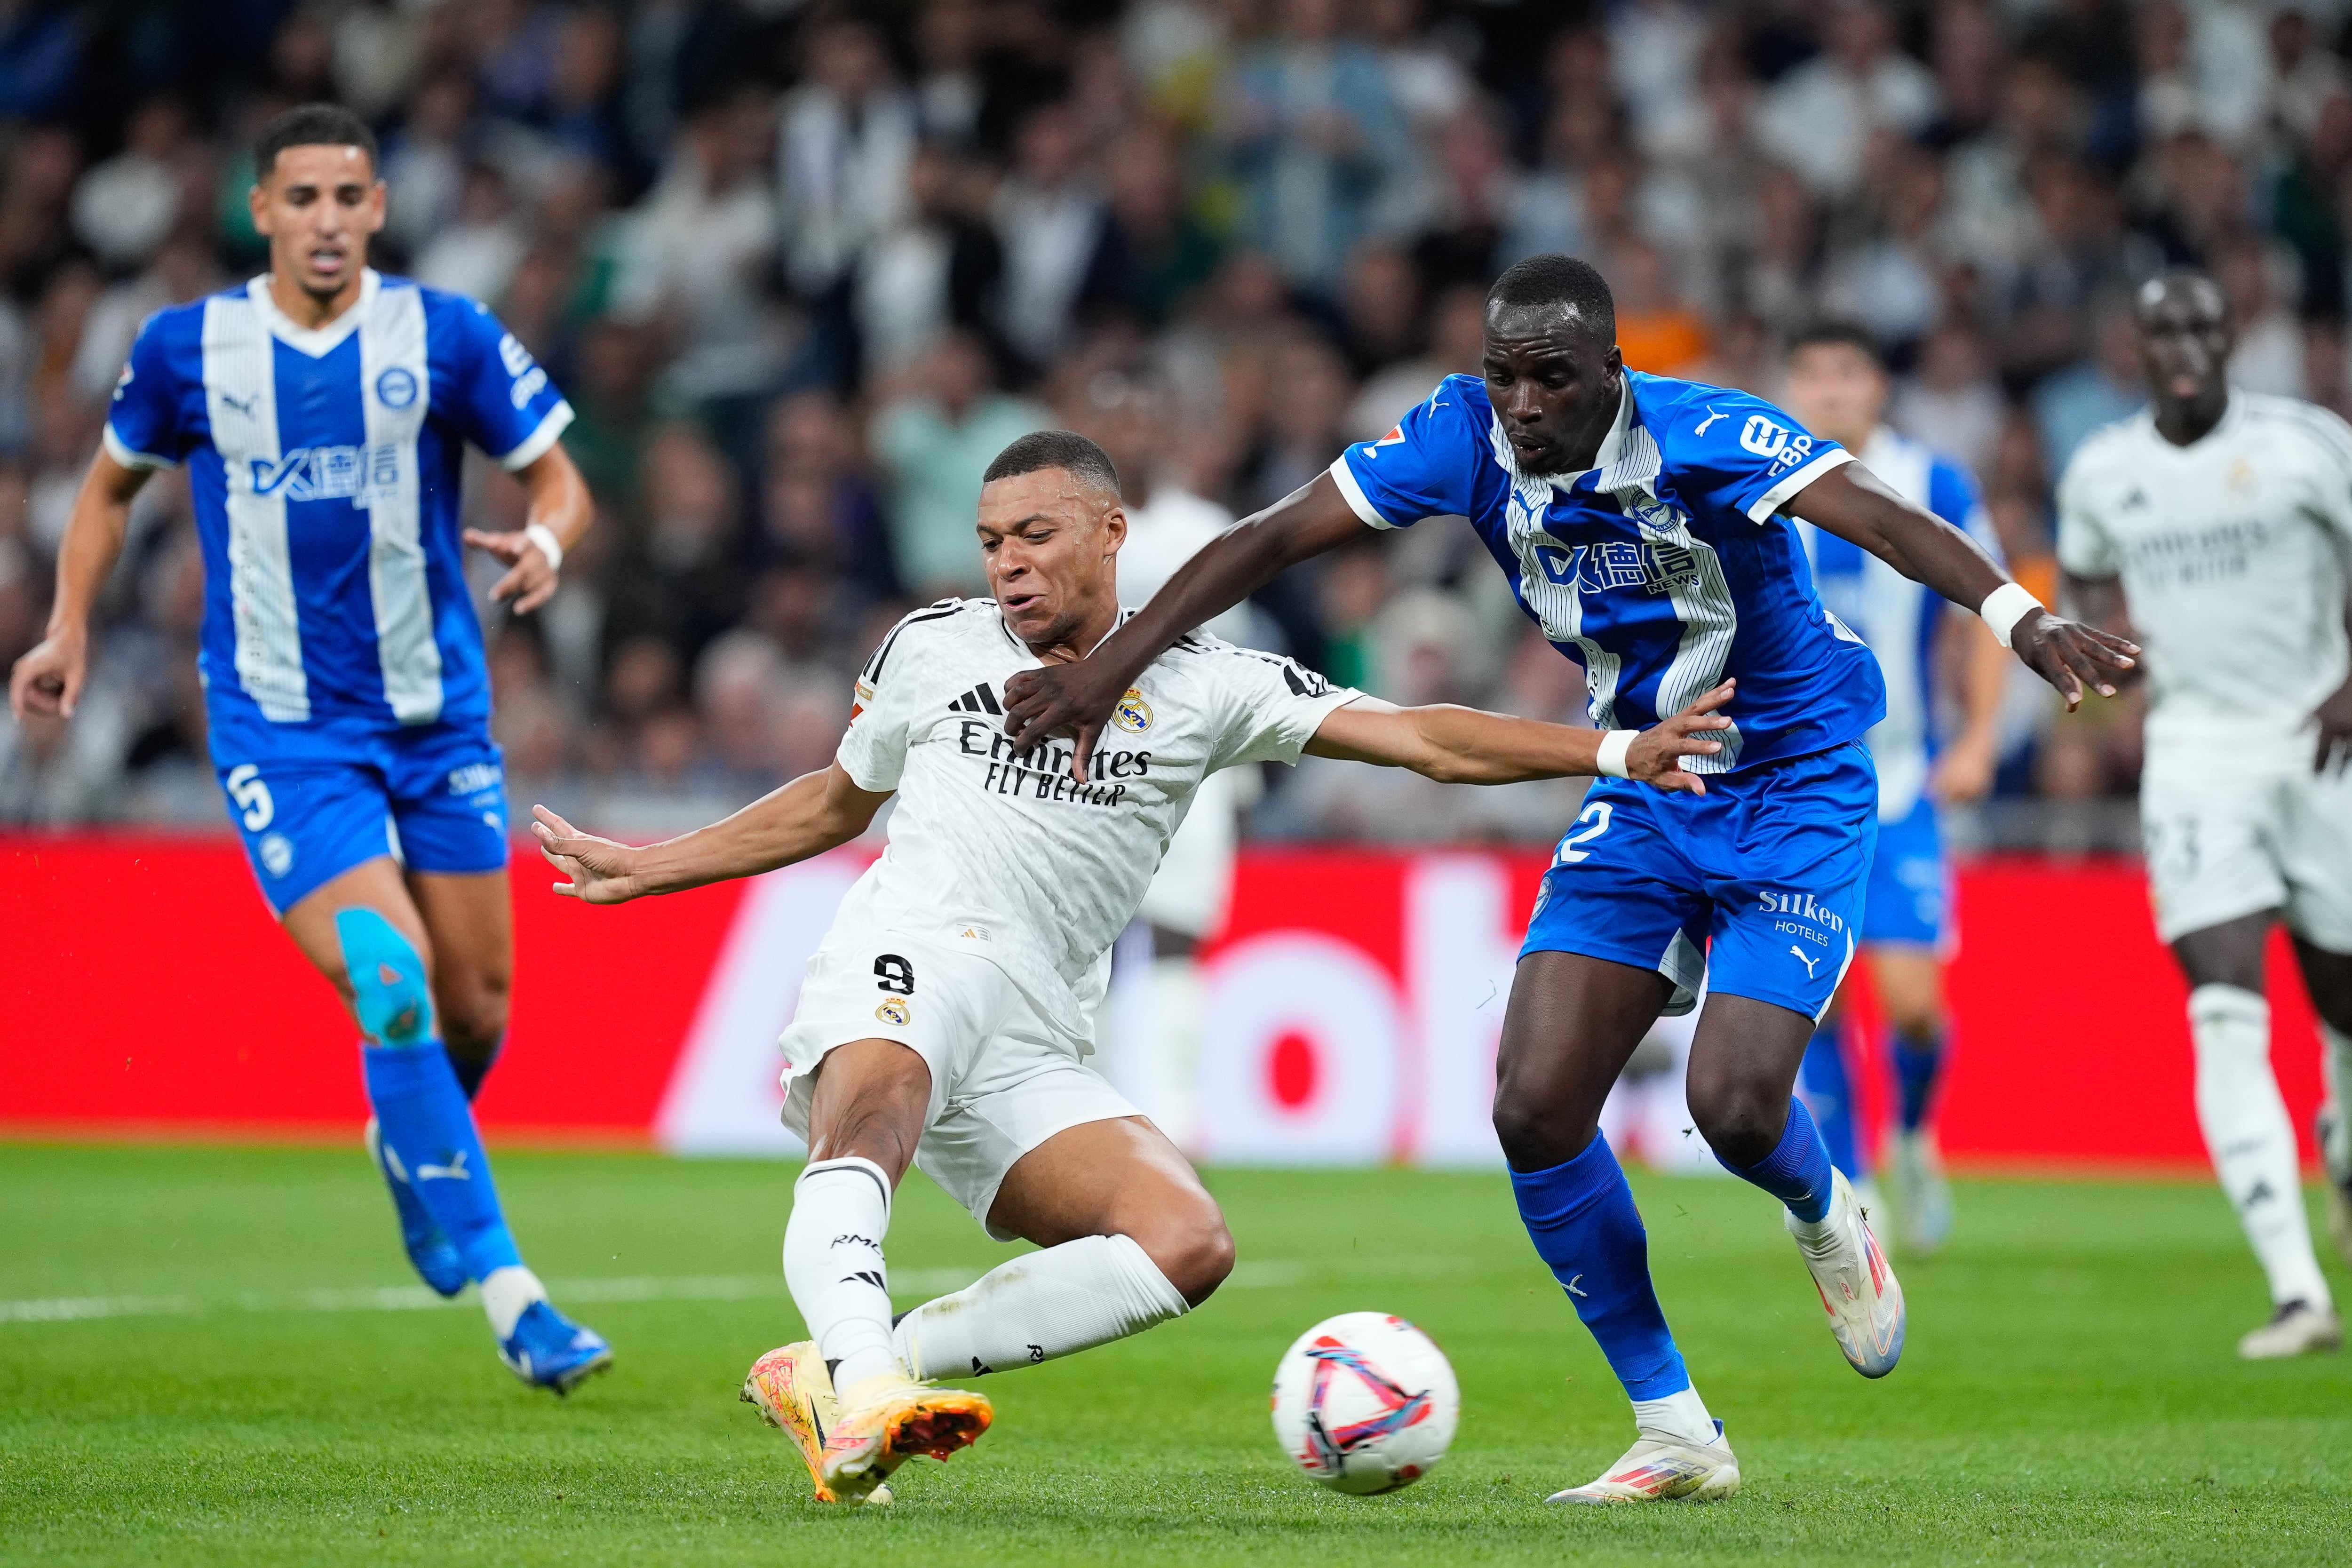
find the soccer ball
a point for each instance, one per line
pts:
(1365, 1402)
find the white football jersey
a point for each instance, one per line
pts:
(2233, 553)
(1004, 850)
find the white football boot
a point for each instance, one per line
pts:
(2295, 1329)
(1922, 1194)
(1857, 1285)
(1659, 1469)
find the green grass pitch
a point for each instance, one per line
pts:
(215, 1356)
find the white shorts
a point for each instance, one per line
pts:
(2235, 830)
(1195, 880)
(1003, 1080)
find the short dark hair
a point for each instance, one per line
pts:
(1834, 333)
(1558, 280)
(1064, 449)
(311, 125)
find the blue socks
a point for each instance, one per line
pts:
(1582, 1219)
(421, 1110)
(1918, 1065)
(1822, 1085)
(1797, 1171)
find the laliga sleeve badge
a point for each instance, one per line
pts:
(892, 1011)
(1132, 714)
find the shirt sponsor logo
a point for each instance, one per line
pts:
(1786, 448)
(473, 778)
(1043, 773)
(329, 473)
(396, 387)
(1799, 915)
(1132, 713)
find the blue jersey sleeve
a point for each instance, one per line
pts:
(1424, 468)
(143, 426)
(1732, 451)
(1952, 495)
(502, 399)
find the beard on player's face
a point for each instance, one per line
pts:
(323, 203)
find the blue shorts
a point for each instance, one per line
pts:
(434, 798)
(1755, 886)
(1910, 884)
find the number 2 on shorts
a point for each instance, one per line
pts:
(1597, 813)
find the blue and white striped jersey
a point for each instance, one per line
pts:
(1663, 568)
(324, 468)
(1898, 617)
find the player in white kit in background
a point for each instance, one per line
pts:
(1129, 412)
(1838, 386)
(945, 1018)
(2221, 521)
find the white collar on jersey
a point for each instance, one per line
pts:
(316, 341)
(2232, 415)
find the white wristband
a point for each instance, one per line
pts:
(2005, 607)
(1613, 747)
(539, 533)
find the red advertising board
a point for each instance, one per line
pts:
(1352, 1006)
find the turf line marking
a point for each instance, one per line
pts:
(919, 1284)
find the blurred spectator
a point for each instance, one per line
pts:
(1820, 119)
(847, 134)
(1950, 400)
(2105, 386)
(124, 206)
(1155, 249)
(1314, 134)
(1457, 324)
(933, 441)
(1049, 220)
(477, 253)
(942, 265)
(1656, 329)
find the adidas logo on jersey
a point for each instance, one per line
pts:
(979, 700)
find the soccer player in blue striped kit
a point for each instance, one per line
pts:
(1644, 524)
(322, 411)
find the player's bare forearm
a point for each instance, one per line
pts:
(557, 513)
(1965, 771)
(1856, 505)
(1243, 559)
(48, 678)
(1468, 745)
(814, 812)
(2333, 719)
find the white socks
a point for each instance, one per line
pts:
(1178, 998)
(2252, 1141)
(506, 1295)
(833, 1265)
(1678, 1417)
(1068, 1298)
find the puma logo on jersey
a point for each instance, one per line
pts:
(455, 1170)
(1809, 963)
(242, 405)
(979, 700)
(1712, 416)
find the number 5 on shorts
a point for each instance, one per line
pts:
(245, 788)
(894, 974)
(1597, 813)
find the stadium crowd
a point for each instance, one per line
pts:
(803, 269)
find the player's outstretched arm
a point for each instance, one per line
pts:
(559, 512)
(811, 814)
(1856, 505)
(1468, 745)
(1230, 568)
(48, 678)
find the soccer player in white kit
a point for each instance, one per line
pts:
(945, 1018)
(2222, 519)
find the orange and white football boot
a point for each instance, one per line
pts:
(1658, 1469)
(1857, 1285)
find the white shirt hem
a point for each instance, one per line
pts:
(535, 444)
(1771, 500)
(1358, 501)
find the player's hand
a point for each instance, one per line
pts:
(1657, 755)
(48, 678)
(532, 580)
(602, 872)
(1965, 771)
(1059, 698)
(2071, 655)
(2335, 720)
